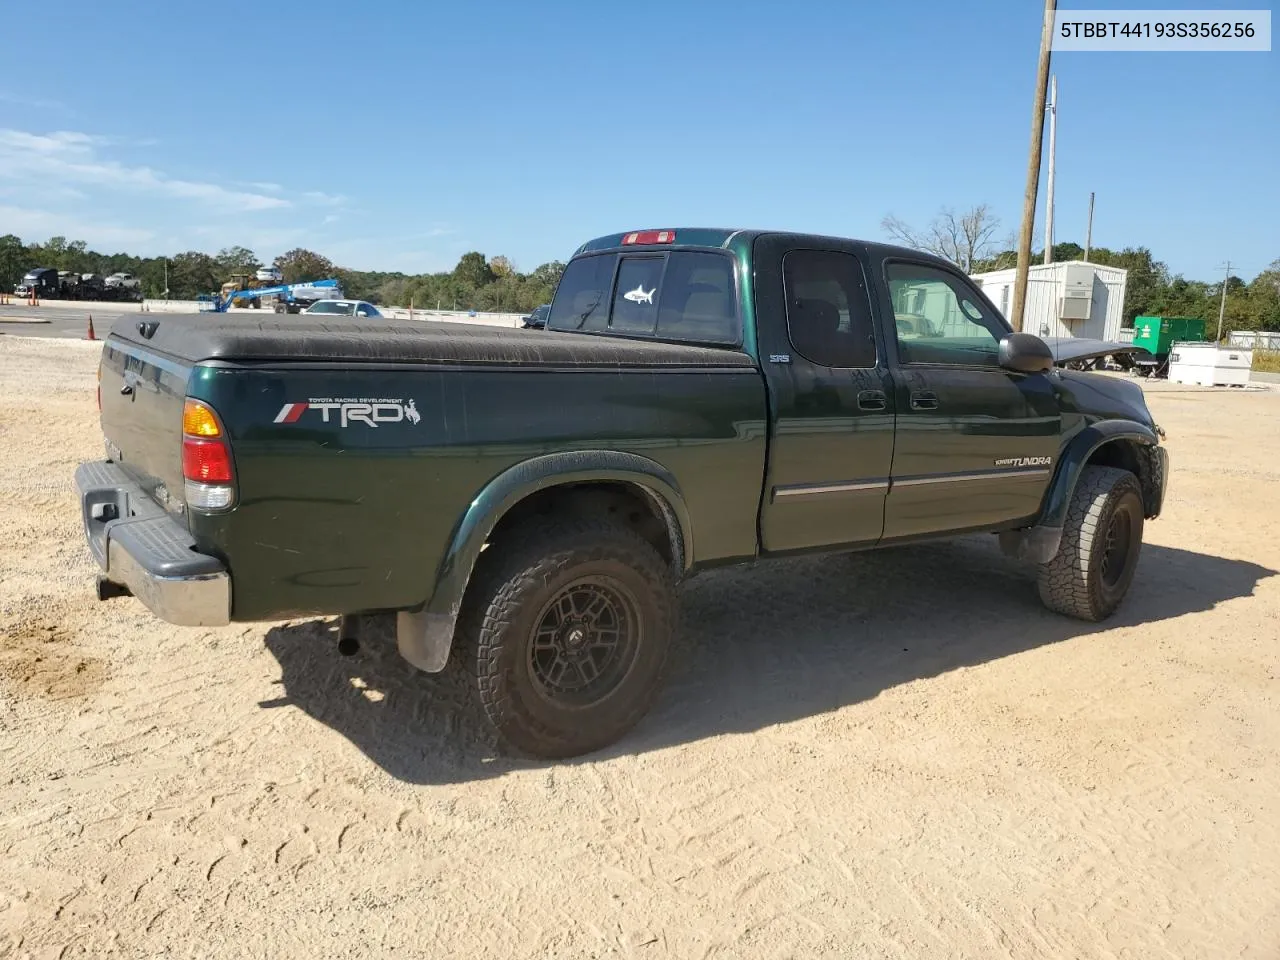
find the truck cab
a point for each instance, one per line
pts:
(40, 282)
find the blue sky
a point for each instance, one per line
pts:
(399, 135)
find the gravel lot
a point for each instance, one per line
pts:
(893, 755)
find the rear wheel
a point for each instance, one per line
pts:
(566, 632)
(1101, 541)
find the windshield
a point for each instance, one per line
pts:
(342, 309)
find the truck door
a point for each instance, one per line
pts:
(976, 443)
(831, 404)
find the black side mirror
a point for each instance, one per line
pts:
(1025, 353)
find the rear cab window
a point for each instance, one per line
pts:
(680, 295)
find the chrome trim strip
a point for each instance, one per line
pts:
(818, 489)
(867, 486)
(967, 477)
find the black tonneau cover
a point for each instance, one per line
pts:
(238, 337)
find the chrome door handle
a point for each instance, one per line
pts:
(872, 400)
(924, 400)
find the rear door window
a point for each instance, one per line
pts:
(582, 298)
(828, 308)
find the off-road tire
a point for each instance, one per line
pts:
(1081, 580)
(515, 583)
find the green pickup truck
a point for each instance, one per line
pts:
(526, 501)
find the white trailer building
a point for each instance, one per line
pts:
(1068, 299)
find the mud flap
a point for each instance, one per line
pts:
(425, 639)
(1035, 544)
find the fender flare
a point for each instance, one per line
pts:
(424, 637)
(1040, 543)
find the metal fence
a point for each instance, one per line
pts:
(1257, 340)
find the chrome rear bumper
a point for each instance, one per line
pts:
(149, 552)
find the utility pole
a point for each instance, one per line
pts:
(1053, 155)
(166, 278)
(1222, 307)
(1088, 234)
(1033, 167)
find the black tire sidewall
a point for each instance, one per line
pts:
(521, 712)
(1124, 495)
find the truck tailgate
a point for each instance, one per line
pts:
(142, 396)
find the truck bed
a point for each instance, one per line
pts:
(385, 498)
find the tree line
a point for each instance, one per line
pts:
(477, 282)
(967, 239)
(493, 283)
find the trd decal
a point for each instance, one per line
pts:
(369, 412)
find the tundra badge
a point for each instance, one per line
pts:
(1025, 462)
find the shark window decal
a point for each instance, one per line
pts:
(640, 295)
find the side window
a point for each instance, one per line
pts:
(939, 320)
(635, 297)
(828, 310)
(697, 301)
(582, 299)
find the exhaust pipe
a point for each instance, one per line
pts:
(348, 635)
(109, 590)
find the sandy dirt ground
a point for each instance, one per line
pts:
(897, 755)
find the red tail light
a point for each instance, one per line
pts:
(649, 236)
(206, 458)
(206, 461)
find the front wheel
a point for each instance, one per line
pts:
(566, 632)
(1101, 540)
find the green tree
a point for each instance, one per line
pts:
(191, 274)
(15, 260)
(152, 275)
(236, 260)
(473, 271)
(303, 266)
(1264, 298)
(548, 275)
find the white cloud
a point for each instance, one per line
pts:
(327, 199)
(67, 157)
(86, 186)
(28, 223)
